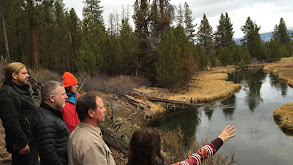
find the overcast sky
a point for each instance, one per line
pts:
(265, 13)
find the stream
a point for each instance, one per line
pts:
(259, 139)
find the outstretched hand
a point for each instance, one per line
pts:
(227, 133)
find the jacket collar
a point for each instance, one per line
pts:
(48, 107)
(94, 130)
(18, 88)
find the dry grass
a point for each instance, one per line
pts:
(284, 117)
(284, 114)
(206, 87)
(282, 68)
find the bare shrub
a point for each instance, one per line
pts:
(119, 85)
(44, 75)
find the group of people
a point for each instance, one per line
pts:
(64, 128)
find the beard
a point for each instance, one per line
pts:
(22, 82)
(60, 106)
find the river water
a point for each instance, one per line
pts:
(259, 139)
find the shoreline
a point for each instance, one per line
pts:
(283, 115)
(202, 89)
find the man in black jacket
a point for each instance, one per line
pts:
(50, 130)
(17, 109)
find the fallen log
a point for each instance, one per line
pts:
(114, 140)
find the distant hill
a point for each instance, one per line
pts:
(264, 37)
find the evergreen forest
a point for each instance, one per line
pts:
(164, 45)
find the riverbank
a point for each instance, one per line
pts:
(206, 86)
(284, 114)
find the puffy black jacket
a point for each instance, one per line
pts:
(51, 134)
(17, 109)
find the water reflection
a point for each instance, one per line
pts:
(188, 120)
(278, 85)
(257, 132)
(230, 107)
(208, 112)
(251, 81)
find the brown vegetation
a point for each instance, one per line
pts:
(283, 68)
(284, 117)
(284, 114)
(205, 87)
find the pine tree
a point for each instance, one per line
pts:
(62, 37)
(202, 57)
(188, 22)
(236, 54)
(75, 33)
(280, 33)
(127, 49)
(180, 15)
(168, 66)
(252, 40)
(224, 56)
(224, 33)
(187, 52)
(17, 31)
(94, 30)
(86, 60)
(205, 34)
(161, 17)
(245, 58)
(141, 21)
(32, 11)
(7, 55)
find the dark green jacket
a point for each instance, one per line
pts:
(17, 109)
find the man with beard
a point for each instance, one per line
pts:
(50, 130)
(17, 109)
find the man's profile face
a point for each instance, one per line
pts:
(59, 98)
(21, 77)
(99, 112)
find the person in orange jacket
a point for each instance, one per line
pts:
(69, 114)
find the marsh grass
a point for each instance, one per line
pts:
(205, 87)
(284, 114)
(284, 117)
(208, 87)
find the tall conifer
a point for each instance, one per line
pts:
(205, 34)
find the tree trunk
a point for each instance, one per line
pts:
(4, 33)
(34, 46)
(33, 37)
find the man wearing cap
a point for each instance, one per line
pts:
(69, 114)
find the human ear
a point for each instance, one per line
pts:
(14, 75)
(90, 112)
(51, 98)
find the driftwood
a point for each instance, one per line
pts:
(117, 126)
(114, 140)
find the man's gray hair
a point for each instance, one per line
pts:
(50, 88)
